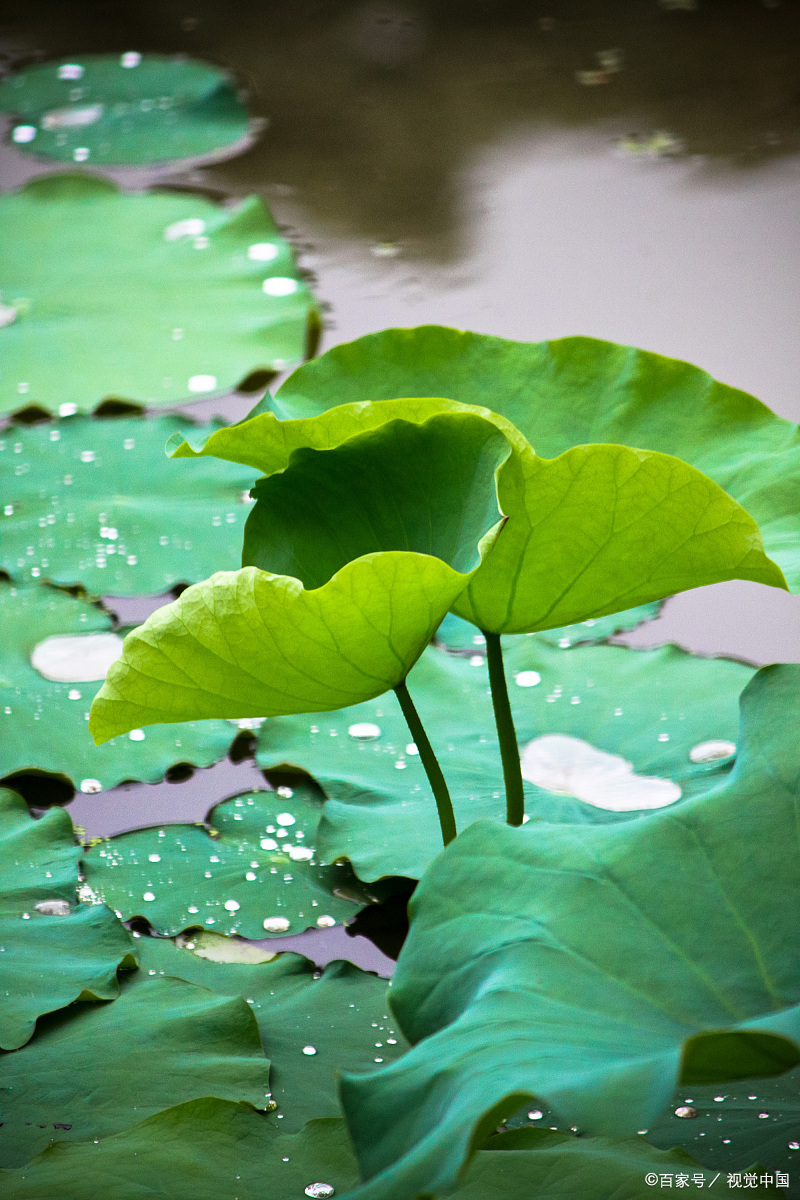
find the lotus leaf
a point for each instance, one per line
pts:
(573, 391)
(208, 1148)
(599, 529)
(651, 707)
(456, 634)
(158, 525)
(128, 108)
(252, 643)
(95, 1069)
(341, 1012)
(511, 990)
(256, 877)
(54, 949)
(169, 296)
(44, 721)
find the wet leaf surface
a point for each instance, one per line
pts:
(340, 1013)
(514, 990)
(97, 503)
(95, 1069)
(258, 876)
(52, 949)
(44, 722)
(652, 708)
(185, 276)
(125, 108)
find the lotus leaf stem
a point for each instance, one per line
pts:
(436, 779)
(507, 734)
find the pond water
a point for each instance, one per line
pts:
(626, 170)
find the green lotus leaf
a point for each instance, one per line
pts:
(166, 298)
(205, 1149)
(457, 635)
(44, 720)
(256, 877)
(578, 390)
(653, 708)
(128, 108)
(342, 1013)
(568, 963)
(253, 643)
(54, 949)
(95, 503)
(95, 1069)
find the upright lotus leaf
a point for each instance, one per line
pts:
(569, 964)
(256, 877)
(54, 949)
(128, 108)
(96, 1069)
(341, 1014)
(253, 643)
(205, 1149)
(573, 391)
(200, 1150)
(671, 716)
(157, 524)
(170, 296)
(44, 720)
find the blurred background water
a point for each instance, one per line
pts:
(626, 169)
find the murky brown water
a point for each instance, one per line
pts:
(629, 170)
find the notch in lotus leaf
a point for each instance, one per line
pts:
(373, 542)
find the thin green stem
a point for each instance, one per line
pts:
(507, 734)
(436, 779)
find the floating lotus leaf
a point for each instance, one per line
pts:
(96, 503)
(209, 1148)
(257, 876)
(252, 643)
(652, 707)
(96, 1069)
(570, 964)
(123, 108)
(599, 529)
(573, 391)
(456, 634)
(168, 297)
(757, 1120)
(341, 1012)
(201, 1150)
(54, 949)
(44, 722)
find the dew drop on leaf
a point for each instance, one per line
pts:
(364, 731)
(711, 751)
(685, 1110)
(527, 679)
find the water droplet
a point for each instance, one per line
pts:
(23, 133)
(364, 731)
(232, 905)
(719, 1099)
(400, 764)
(131, 58)
(74, 694)
(663, 737)
(87, 456)
(280, 285)
(8, 510)
(794, 1145)
(70, 71)
(685, 1110)
(564, 643)
(80, 153)
(91, 785)
(320, 1191)
(250, 876)
(536, 1115)
(202, 383)
(571, 766)
(76, 658)
(276, 924)
(193, 908)
(325, 922)
(309, 1049)
(263, 252)
(137, 735)
(763, 1116)
(73, 117)
(711, 751)
(154, 857)
(53, 908)
(269, 844)
(26, 916)
(285, 819)
(189, 227)
(286, 792)
(527, 678)
(300, 853)
(477, 660)
(149, 896)
(575, 700)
